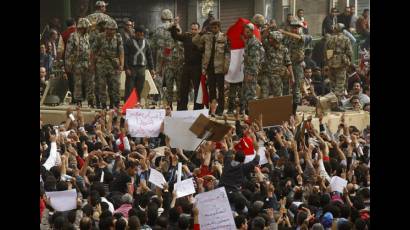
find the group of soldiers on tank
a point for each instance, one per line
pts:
(95, 56)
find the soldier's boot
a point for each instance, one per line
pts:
(230, 108)
(104, 106)
(91, 104)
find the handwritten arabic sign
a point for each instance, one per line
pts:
(214, 210)
(144, 122)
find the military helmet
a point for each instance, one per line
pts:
(276, 35)
(296, 22)
(111, 24)
(258, 19)
(83, 23)
(166, 14)
(250, 26)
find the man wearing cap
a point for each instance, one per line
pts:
(97, 17)
(338, 55)
(138, 56)
(77, 58)
(296, 43)
(252, 57)
(278, 61)
(107, 58)
(97, 20)
(166, 53)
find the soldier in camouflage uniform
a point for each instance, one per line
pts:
(98, 19)
(252, 58)
(77, 58)
(215, 61)
(296, 43)
(338, 56)
(167, 55)
(278, 61)
(108, 59)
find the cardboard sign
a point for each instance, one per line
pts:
(274, 110)
(208, 129)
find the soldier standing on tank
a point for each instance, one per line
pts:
(107, 57)
(278, 61)
(166, 53)
(77, 59)
(252, 58)
(296, 43)
(338, 56)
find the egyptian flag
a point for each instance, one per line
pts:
(131, 101)
(235, 34)
(202, 97)
(123, 143)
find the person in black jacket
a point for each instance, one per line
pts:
(235, 170)
(192, 64)
(138, 56)
(329, 21)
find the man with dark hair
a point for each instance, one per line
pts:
(123, 182)
(205, 25)
(86, 223)
(330, 21)
(299, 15)
(192, 63)
(241, 222)
(138, 58)
(235, 169)
(362, 24)
(215, 62)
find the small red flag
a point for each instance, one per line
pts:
(131, 101)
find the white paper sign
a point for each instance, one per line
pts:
(156, 178)
(337, 184)
(190, 115)
(214, 210)
(262, 154)
(63, 200)
(235, 71)
(180, 136)
(145, 122)
(184, 188)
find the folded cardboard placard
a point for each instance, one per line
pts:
(274, 110)
(210, 130)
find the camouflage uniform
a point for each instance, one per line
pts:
(165, 48)
(77, 58)
(338, 53)
(97, 20)
(252, 58)
(107, 52)
(215, 63)
(297, 54)
(277, 59)
(174, 71)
